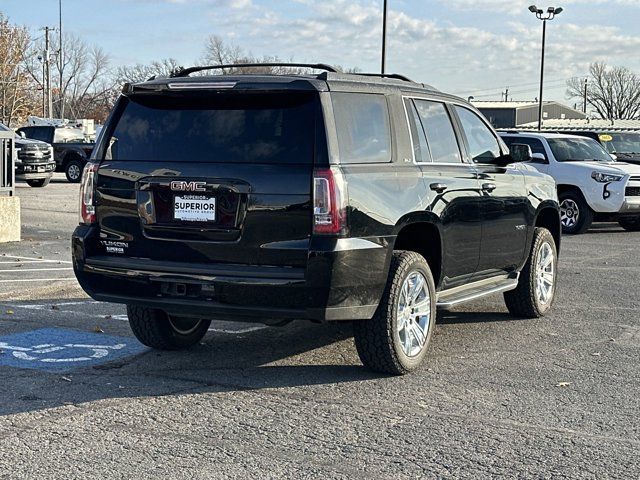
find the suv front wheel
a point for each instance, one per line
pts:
(396, 339)
(156, 329)
(537, 284)
(575, 214)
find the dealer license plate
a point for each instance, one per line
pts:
(194, 208)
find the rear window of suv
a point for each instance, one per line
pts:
(276, 128)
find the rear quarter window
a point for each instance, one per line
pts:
(363, 127)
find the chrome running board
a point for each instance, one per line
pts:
(475, 290)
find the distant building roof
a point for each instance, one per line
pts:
(507, 105)
(516, 114)
(586, 124)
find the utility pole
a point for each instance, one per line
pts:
(60, 61)
(47, 69)
(586, 89)
(506, 95)
(384, 38)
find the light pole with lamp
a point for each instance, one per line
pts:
(550, 14)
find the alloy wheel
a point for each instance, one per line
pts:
(569, 213)
(545, 274)
(184, 326)
(414, 314)
(74, 172)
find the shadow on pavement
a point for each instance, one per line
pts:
(451, 318)
(265, 358)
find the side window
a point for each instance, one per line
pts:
(421, 152)
(439, 132)
(535, 144)
(36, 133)
(483, 145)
(362, 124)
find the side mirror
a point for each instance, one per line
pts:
(539, 158)
(520, 152)
(613, 157)
(22, 135)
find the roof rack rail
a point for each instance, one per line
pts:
(395, 76)
(185, 72)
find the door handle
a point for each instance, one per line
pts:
(488, 187)
(438, 187)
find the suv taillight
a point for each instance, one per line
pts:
(329, 202)
(87, 194)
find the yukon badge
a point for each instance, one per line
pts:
(182, 186)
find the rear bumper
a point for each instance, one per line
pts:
(344, 280)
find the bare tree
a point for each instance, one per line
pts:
(219, 52)
(18, 96)
(141, 72)
(87, 83)
(613, 92)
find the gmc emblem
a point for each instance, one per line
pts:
(182, 186)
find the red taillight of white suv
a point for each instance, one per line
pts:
(329, 202)
(87, 194)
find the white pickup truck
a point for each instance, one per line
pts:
(592, 186)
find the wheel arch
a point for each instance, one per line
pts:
(421, 233)
(548, 216)
(73, 154)
(565, 187)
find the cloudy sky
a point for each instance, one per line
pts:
(467, 47)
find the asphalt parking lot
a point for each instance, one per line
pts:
(556, 397)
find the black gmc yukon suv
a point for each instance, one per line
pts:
(269, 198)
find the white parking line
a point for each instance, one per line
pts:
(122, 318)
(16, 262)
(20, 269)
(38, 280)
(43, 260)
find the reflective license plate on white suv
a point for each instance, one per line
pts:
(194, 208)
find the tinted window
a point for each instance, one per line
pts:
(43, 134)
(535, 144)
(238, 128)
(621, 142)
(362, 124)
(577, 150)
(483, 145)
(440, 135)
(420, 147)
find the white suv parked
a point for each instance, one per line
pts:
(592, 186)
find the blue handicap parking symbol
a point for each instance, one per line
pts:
(62, 350)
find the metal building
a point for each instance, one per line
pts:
(515, 114)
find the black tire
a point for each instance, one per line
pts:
(377, 340)
(630, 224)
(155, 329)
(73, 170)
(524, 301)
(572, 205)
(39, 183)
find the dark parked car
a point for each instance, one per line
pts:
(624, 145)
(329, 197)
(70, 149)
(34, 160)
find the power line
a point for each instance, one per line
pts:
(512, 85)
